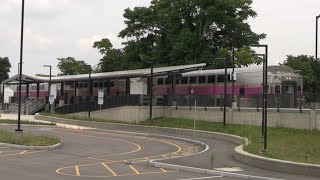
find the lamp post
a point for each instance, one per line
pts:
(225, 89)
(49, 87)
(151, 89)
(232, 78)
(264, 89)
(317, 17)
(20, 71)
(263, 94)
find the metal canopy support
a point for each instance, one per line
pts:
(38, 89)
(27, 90)
(75, 88)
(173, 88)
(62, 89)
(2, 96)
(127, 86)
(108, 88)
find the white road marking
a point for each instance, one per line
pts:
(203, 178)
(229, 169)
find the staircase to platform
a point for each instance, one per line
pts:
(29, 106)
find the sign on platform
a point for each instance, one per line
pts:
(51, 99)
(100, 97)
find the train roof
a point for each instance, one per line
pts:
(275, 68)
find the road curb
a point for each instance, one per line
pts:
(31, 147)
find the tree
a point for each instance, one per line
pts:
(70, 66)
(310, 70)
(112, 59)
(5, 66)
(174, 32)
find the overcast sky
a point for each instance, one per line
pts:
(62, 28)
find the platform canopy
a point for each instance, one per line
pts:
(160, 71)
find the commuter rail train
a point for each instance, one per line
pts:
(283, 81)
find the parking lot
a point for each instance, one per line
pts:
(92, 154)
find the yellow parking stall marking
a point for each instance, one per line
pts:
(23, 152)
(134, 169)
(77, 170)
(163, 170)
(109, 169)
(138, 147)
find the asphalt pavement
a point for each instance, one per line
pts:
(92, 154)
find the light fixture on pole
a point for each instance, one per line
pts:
(20, 71)
(264, 89)
(225, 89)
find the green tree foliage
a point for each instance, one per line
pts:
(174, 32)
(112, 59)
(5, 66)
(70, 66)
(310, 70)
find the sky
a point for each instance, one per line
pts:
(68, 28)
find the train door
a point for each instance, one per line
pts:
(289, 94)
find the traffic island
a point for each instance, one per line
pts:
(22, 140)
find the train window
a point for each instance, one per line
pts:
(111, 83)
(100, 84)
(177, 81)
(277, 89)
(184, 80)
(299, 88)
(168, 80)
(160, 81)
(95, 84)
(202, 79)
(211, 79)
(220, 78)
(105, 84)
(242, 91)
(193, 80)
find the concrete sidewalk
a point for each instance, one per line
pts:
(15, 117)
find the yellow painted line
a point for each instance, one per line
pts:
(109, 169)
(121, 175)
(77, 170)
(179, 149)
(163, 170)
(134, 169)
(23, 152)
(138, 147)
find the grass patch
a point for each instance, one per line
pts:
(23, 122)
(83, 118)
(27, 139)
(286, 144)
